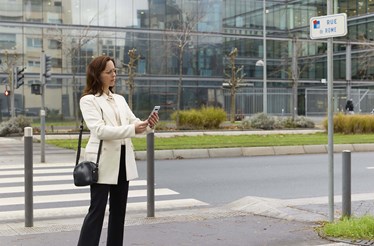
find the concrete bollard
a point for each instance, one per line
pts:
(150, 175)
(28, 139)
(346, 185)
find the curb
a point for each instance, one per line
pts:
(252, 151)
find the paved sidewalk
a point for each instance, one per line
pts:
(248, 221)
(207, 226)
(215, 230)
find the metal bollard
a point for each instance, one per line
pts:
(150, 175)
(42, 135)
(28, 177)
(346, 185)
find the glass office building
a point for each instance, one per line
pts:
(187, 41)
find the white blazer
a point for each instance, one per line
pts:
(101, 121)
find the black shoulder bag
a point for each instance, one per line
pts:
(86, 172)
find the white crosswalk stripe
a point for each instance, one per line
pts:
(335, 244)
(54, 194)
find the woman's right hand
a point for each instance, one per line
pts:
(140, 126)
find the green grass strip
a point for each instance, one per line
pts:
(351, 228)
(220, 141)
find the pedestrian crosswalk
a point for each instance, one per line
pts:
(54, 194)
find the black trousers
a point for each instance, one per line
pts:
(93, 222)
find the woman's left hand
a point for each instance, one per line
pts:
(153, 120)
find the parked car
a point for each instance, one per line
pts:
(18, 111)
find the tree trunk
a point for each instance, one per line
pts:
(233, 83)
(294, 100)
(179, 92)
(232, 105)
(130, 97)
(131, 87)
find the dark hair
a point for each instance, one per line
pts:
(93, 83)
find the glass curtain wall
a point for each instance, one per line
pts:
(175, 40)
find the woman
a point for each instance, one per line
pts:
(109, 118)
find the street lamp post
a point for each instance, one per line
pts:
(262, 63)
(265, 94)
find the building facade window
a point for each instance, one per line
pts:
(33, 63)
(73, 32)
(34, 42)
(54, 44)
(7, 40)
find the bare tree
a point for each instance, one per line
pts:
(181, 34)
(294, 69)
(234, 82)
(72, 43)
(6, 65)
(131, 68)
(366, 58)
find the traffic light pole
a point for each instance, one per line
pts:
(42, 110)
(12, 87)
(42, 126)
(16, 81)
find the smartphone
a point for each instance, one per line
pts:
(155, 109)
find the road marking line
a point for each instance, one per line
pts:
(38, 165)
(57, 187)
(45, 178)
(38, 171)
(82, 210)
(77, 197)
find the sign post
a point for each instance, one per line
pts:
(323, 27)
(328, 26)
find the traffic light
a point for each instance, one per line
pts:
(36, 89)
(19, 76)
(7, 92)
(47, 67)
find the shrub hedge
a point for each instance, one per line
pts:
(266, 122)
(204, 118)
(14, 125)
(351, 124)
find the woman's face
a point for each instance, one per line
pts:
(108, 76)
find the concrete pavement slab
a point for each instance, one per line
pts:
(288, 150)
(196, 227)
(258, 151)
(340, 147)
(363, 147)
(314, 149)
(191, 153)
(164, 154)
(226, 152)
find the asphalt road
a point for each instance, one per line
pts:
(223, 180)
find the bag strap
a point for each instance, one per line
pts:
(80, 143)
(99, 152)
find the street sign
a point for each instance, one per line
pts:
(328, 26)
